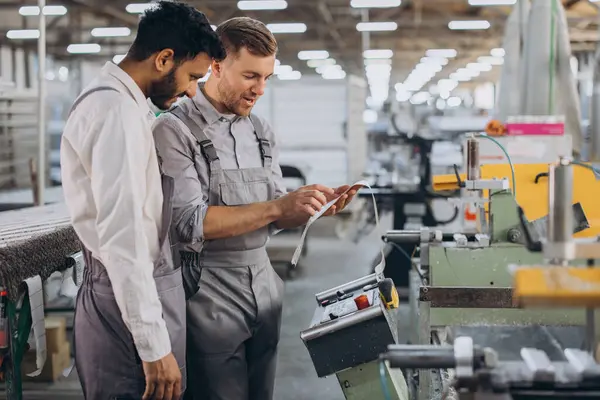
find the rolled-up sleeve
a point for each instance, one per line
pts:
(119, 190)
(177, 149)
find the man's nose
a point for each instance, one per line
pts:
(191, 89)
(259, 88)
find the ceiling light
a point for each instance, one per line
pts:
(498, 52)
(262, 5)
(376, 26)
(369, 116)
(420, 98)
(375, 3)
(492, 2)
(138, 8)
(84, 48)
(48, 10)
(111, 32)
(460, 77)
(319, 63)
(378, 61)
(337, 74)
(454, 101)
(327, 68)
(403, 96)
(378, 53)
(23, 34)
(446, 53)
(447, 84)
(468, 25)
(434, 60)
(313, 55)
(428, 67)
(491, 60)
(292, 76)
(287, 28)
(118, 58)
(282, 69)
(479, 67)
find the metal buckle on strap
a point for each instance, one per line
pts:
(265, 144)
(208, 150)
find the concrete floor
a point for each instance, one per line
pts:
(330, 261)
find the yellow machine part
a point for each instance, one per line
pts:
(556, 286)
(533, 197)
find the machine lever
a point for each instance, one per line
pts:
(531, 245)
(460, 183)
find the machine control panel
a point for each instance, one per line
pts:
(346, 303)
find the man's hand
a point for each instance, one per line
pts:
(163, 379)
(343, 201)
(304, 202)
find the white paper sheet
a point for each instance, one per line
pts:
(380, 267)
(38, 324)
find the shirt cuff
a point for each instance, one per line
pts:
(152, 342)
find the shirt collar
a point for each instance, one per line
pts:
(208, 111)
(116, 72)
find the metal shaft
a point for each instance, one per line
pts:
(473, 171)
(560, 221)
(402, 236)
(422, 358)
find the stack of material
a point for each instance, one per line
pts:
(58, 353)
(34, 241)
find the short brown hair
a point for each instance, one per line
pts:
(239, 32)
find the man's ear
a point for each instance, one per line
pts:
(216, 68)
(164, 61)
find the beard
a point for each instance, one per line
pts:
(235, 102)
(164, 91)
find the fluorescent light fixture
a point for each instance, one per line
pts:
(435, 68)
(385, 53)
(376, 26)
(479, 67)
(447, 84)
(23, 34)
(48, 10)
(382, 69)
(292, 76)
(403, 96)
(460, 77)
(369, 116)
(454, 101)
(328, 68)
(338, 74)
(295, 27)
(313, 55)
(138, 8)
(378, 61)
(446, 53)
(118, 58)
(111, 32)
(468, 25)
(492, 2)
(434, 60)
(420, 98)
(262, 5)
(283, 69)
(375, 3)
(491, 60)
(84, 48)
(320, 63)
(498, 52)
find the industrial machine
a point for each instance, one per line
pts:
(483, 285)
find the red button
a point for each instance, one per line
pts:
(362, 302)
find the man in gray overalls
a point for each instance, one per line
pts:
(129, 325)
(229, 197)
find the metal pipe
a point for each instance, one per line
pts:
(402, 236)
(473, 170)
(594, 149)
(347, 287)
(41, 179)
(421, 358)
(560, 190)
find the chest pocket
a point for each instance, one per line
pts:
(241, 193)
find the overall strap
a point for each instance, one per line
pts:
(86, 94)
(206, 145)
(263, 143)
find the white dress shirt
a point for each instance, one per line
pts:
(112, 187)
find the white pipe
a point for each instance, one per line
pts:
(41, 170)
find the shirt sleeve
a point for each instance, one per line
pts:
(190, 200)
(119, 158)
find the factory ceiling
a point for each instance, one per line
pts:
(409, 30)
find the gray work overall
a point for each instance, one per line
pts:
(107, 362)
(234, 295)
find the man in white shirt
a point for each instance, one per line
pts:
(129, 327)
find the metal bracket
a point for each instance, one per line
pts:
(583, 363)
(538, 363)
(463, 352)
(487, 184)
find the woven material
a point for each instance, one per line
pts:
(34, 241)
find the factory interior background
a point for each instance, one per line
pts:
(387, 91)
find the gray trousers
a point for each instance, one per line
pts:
(233, 327)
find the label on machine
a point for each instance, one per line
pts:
(347, 306)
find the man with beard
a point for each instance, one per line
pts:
(229, 198)
(129, 327)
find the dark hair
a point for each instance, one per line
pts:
(176, 26)
(239, 32)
